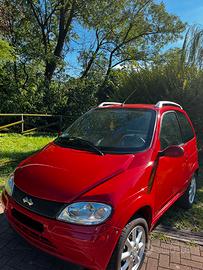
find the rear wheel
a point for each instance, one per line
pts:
(129, 253)
(188, 198)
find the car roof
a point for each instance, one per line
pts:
(148, 106)
(161, 105)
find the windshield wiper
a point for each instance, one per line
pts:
(82, 141)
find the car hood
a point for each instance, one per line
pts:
(63, 174)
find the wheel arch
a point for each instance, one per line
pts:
(143, 212)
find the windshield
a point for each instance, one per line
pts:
(114, 130)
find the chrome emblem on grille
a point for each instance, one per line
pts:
(28, 201)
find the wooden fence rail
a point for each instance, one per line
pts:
(22, 121)
(11, 124)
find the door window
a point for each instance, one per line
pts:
(170, 131)
(186, 129)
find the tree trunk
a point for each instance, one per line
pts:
(64, 27)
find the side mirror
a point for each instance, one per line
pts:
(172, 151)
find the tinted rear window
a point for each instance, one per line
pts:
(186, 129)
(170, 131)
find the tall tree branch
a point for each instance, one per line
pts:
(93, 56)
(124, 43)
(99, 45)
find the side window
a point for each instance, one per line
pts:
(186, 129)
(170, 131)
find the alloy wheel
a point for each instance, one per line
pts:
(133, 249)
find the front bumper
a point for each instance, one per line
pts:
(88, 246)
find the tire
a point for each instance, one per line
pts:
(188, 198)
(135, 229)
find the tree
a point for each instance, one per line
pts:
(128, 33)
(192, 51)
(6, 52)
(136, 33)
(54, 19)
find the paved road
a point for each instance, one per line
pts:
(174, 255)
(16, 254)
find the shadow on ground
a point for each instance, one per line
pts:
(17, 254)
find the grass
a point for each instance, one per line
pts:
(15, 147)
(160, 236)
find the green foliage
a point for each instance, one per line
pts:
(128, 32)
(42, 36)
(6, 52)
(192, 53)
(81, 97)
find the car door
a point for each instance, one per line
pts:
(189, 145)
(170, 169)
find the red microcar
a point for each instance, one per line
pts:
(93, 195)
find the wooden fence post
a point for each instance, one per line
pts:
(22, 125)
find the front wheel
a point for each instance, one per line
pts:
(188, 198)
(129, 253)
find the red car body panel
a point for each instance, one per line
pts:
(55, 169)
(125, 181)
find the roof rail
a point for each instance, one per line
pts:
(103, 104)
(160, 104)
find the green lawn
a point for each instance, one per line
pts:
(15, 147)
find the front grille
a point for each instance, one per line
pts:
(42, 207)
(33, 224)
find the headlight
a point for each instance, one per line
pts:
(86, 213)
(10, 185)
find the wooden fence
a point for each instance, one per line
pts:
(21, 121)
